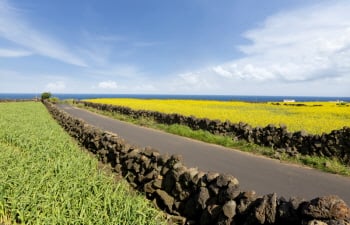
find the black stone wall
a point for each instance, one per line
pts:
(334, 144)
(202, 198)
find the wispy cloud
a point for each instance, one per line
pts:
(117, 70)
(108, 84)
(55, 86)
(145, 43)
(103, 37)
(11, 53)
(310, 44)
(102, 49)
(16, 29)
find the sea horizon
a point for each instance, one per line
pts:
(248, 98)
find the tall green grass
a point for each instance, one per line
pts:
(45, 178)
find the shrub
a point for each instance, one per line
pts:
(45, 95)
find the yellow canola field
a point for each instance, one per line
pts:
(313, 117)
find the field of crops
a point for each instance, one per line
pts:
(45, 178)
(313, 117)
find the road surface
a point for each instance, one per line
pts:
(253, 172)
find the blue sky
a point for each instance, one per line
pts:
(232, 47)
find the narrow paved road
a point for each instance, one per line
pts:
(253, 172)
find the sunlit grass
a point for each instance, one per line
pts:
(45, 178)
(313, 117)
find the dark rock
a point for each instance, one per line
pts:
(223, 220)
(168, 182)
(164, 170)
(145, 161)
(191, 222)
(244, 200)
(173, 160)
(158, 183)
(286, 212)
(270, 208)
(232, 191)
(197, 177)
(214, 190)
(162, 159)
(133, 153)
(164, 200)
(326, 208)
(151, 175)
(316, 222)
(118, 168)
(206, 218)
(176, 220)
(210, 214)
(148, 188)
(177, 190)
(187, 177)
(191, 210)
(148, 151)
(177, 165)
(202, 180)
(337, 222)
(229, 209)
(136, 167)
(259, 211)
(184, 195)
(203, 196)
(129, 164)
(211, 176)
(296, 202)
(223, 180)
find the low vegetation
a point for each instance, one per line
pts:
(321, 163)
(45, 95)
(313, 117)
(45, 178)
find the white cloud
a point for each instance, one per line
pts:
(108, 85)
(307, 47)
(10, 53)
(306, 44)
(222, 72)
(144, 88)
(55, 86)
(15, 28)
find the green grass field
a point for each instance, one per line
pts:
(45, 178)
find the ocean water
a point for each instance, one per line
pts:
(246, 98)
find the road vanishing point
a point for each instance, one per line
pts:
(253, 172)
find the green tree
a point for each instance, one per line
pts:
(45, 95)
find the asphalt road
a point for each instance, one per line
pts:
(253, 172)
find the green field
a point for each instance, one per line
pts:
(45, 178)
